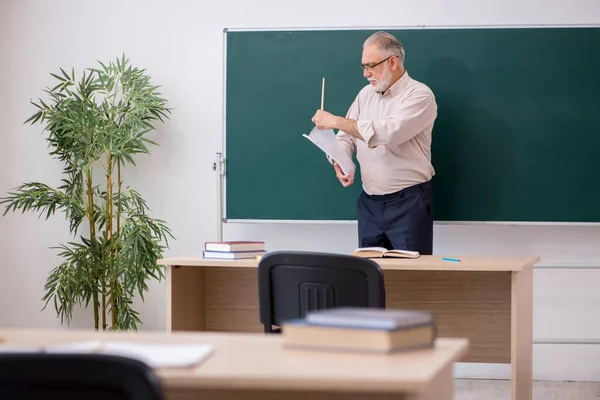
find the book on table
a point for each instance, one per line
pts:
(362, 329)
(234, 246)
(232, 255)
(234, 250)
(379, 252)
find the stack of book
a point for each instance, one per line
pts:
(362, 329)
(233, 250)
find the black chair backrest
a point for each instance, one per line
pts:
(46, 376)
(292, 283)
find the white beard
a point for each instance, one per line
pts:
(382, 84)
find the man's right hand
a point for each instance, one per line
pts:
(346, 180)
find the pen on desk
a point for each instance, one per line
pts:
(451, 259)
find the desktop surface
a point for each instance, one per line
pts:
(259, 361)
(424, 262)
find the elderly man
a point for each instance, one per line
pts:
(389, 127)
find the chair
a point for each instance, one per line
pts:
(44, 376)
(292, 283)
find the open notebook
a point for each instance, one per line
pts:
(156, 355)
(375, 252)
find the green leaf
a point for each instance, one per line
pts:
(34, 118)
(65, 74)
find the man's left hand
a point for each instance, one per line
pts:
(324, 120)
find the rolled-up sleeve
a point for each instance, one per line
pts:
(346, 141)
(412, 116)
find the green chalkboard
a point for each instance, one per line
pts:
(516, 139)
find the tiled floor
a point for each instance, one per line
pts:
(476, 389)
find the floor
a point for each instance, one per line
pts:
(480, 389)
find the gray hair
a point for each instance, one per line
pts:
(388, 43)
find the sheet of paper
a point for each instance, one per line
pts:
(161, 355)
(326, 141)
(10, 348)
(156, 355)
(91, 346)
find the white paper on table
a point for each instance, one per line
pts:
(91, 346)
(10, 348)
(326, 141)
(161, 355)
(156, 355)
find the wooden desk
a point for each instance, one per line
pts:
(485, 299)
(256, 366)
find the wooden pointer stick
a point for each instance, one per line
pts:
(322, 93)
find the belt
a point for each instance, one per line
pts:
(421, 187)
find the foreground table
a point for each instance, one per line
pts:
(257, 366)
(485, 299)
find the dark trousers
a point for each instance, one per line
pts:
(401, 220)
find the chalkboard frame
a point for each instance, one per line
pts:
(221, 157)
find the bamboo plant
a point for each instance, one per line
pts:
(96, 125)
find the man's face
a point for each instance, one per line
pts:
(376, 70)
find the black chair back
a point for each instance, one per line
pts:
(290, 284)
(46, 376)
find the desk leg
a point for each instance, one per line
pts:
(521, 334)
(440, 388)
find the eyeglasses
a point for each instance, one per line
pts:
(369, 67)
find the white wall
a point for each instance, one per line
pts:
(180, 44)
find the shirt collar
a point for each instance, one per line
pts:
(398, 86)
